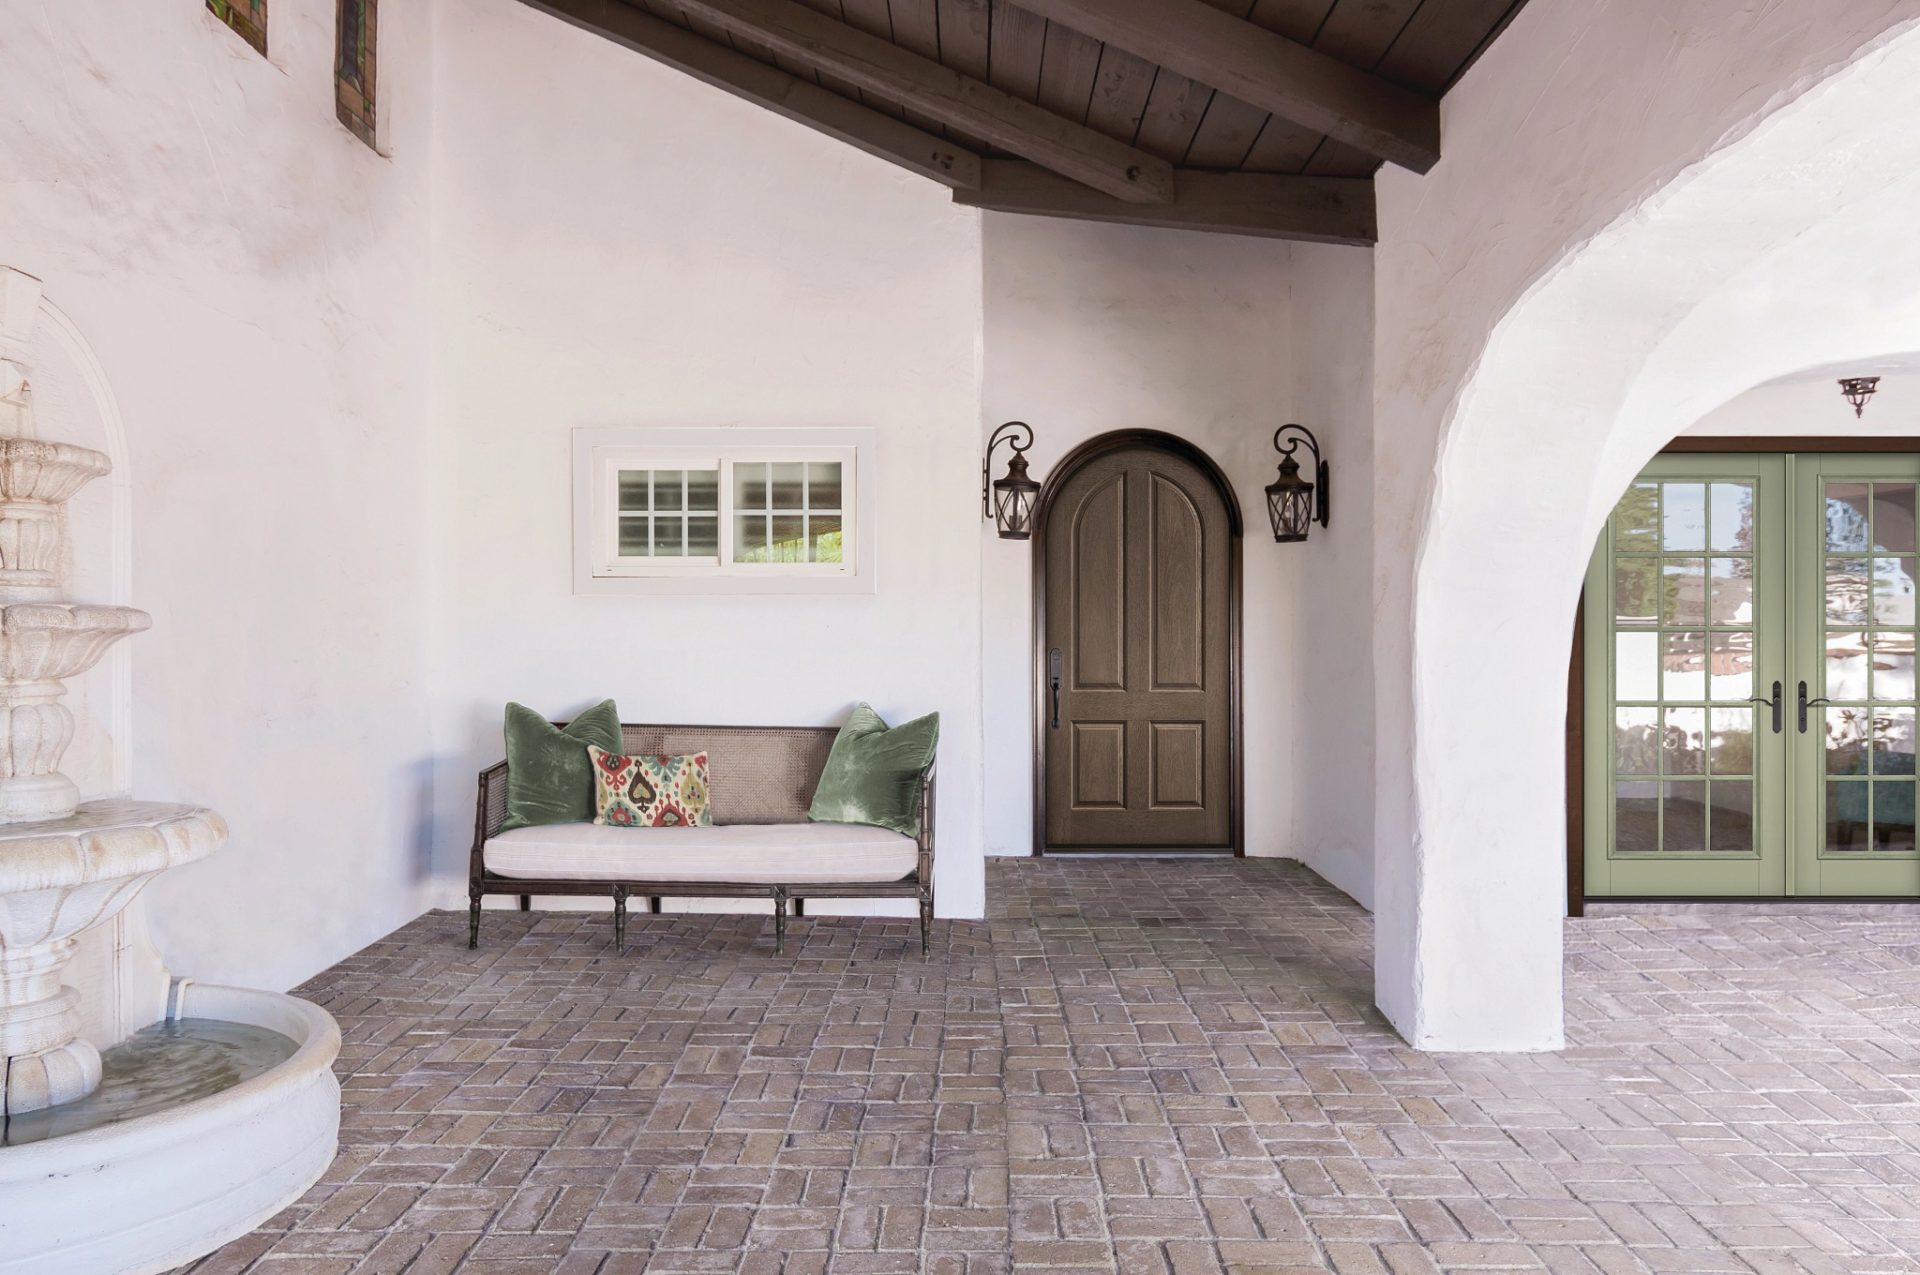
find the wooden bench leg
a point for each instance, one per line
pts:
(926, 925)
(799, 907)
(779, 922)
(653, 904)
(473, 919)
(526, 903)
(619, 918)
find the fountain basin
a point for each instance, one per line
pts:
(153, 1192)
(47, 641)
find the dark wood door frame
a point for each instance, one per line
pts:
(1576, 675)
(1098, 446)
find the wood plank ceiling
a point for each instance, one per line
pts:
(1261, 117)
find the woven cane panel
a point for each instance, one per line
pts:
(495, 783)
(758, 774)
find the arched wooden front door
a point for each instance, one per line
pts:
(1138, 633)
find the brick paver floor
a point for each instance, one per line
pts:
(1157, 1067)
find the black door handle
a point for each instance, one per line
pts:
(1779, 708)
(1055, 664)
(1806, 704)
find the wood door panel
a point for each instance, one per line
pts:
(1099, 606)
(1099, 765)
(1176, 641)
(1177, 764)
(1138, 597)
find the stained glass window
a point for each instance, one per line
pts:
(248, 17)
(353, 66)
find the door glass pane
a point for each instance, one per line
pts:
(1684, 742)
(1731, 666)
(1636, 741)
(1893, 590)
(1635, 590)
(1846, 664)
(1848, 730)
(1732, 584)
(1683, 508)
(1636, 520)
(1731, 507)
(633, 537)
(1684, 818)
(1731, 748)
(1731, 825)
(1684, 584)
(1846, 815)
(1636, 663)
(1684, 661)
(1846, 517)
(1892, 666)
(1636, 816)
(1847, 581)
(1893, 816)
(1893, 517)
(1893, 741)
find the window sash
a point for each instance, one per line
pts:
(610, 562)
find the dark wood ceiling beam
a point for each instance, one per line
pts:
(1316, 209)
(872, 131)
(961, 102)
(1264, 69)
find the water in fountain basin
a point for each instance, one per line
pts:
(158, 1068)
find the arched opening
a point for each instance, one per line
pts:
(1137, 650)
(1788, 248)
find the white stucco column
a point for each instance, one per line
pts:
(1620, 238)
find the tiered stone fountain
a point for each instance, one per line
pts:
(226, 1109)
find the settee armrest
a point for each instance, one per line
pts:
(489, 811)
(924, 873)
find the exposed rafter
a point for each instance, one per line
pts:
(1263, 69)
(872, 131)
(974, 107)
(1318, 209)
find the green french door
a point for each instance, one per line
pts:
(1749, 691)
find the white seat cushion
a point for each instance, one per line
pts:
(740, 853)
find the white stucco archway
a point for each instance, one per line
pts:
(1791, 245)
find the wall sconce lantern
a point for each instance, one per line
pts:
(1293, 503)
(1858, 389)
(1009, 501)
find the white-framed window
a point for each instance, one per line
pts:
(723, 510)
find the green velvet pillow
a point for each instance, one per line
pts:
(873, 773)
(549, 777)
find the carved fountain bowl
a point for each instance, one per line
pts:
(35, 469)
(48, 641)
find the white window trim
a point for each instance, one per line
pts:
(599, 455)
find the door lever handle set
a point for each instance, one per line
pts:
(1806, 704)
(1779, 707)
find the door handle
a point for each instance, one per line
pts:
(1806, 704)
(1055, 664)
(1779, 708)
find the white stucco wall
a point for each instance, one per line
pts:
(628, 247)
(1544, 322)
(251, 279)
(1094, 328)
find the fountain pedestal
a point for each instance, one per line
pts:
(57, 878)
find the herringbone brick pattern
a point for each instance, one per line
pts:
(1155, 1067)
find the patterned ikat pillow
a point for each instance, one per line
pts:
(650, 791)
